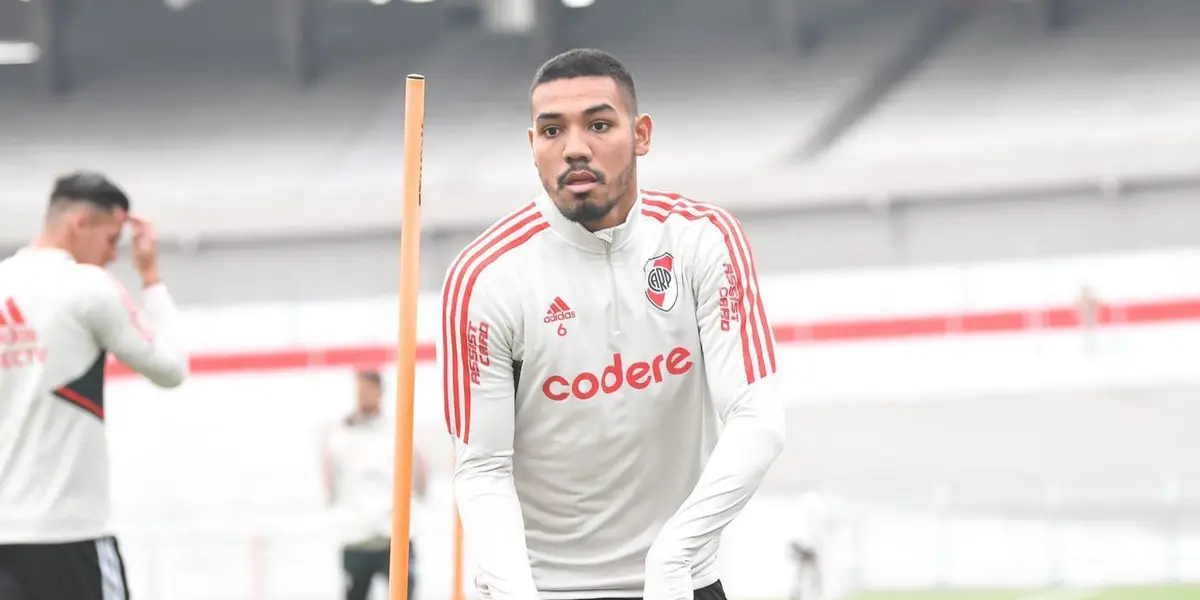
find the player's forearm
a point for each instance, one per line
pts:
(164, 318)
(330, 480)
(169, 363)
(492, 523)
(149, 340)
(749, 444)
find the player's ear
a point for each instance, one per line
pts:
(643, 126)
(79, 217)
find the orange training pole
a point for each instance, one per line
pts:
(406, 350)
(456, 590)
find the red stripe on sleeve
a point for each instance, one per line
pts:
(135, 315)
(453, 349)
(763, 333)
(759, 330)
(462, 325)
(690, 212)
(758, 351)
(451, 289)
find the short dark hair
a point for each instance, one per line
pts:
(586, 62)
(372, 376)
(90, 187)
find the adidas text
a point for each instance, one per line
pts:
(562, 316)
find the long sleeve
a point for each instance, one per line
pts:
(480, 388)
(739, 358)
(329, 469)
(147, 341)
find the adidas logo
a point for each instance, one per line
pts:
(10, 313)
(13, 330)
(558, 311)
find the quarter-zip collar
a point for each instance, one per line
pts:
(598, 242)
(45, 252)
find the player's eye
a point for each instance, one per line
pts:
(550, 131)
(601, 126)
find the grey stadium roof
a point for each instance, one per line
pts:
(190, 111)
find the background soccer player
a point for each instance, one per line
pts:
(358, 478)
(60, 313)
(591, 342)
(811, 534)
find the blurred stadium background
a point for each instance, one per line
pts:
(977, 220)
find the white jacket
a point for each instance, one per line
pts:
(360, 454)
(58, 320)
(584, 376)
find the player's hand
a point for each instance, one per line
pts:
(668, 572)
(145, 249)
(482, 587)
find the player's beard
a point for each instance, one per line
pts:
(596, 203)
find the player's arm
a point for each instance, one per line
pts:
(739, 359)
(328, 466)
(479, 387)
(147, 340)
(420, 474)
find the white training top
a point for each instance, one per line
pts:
(584, 376)
(360, 451)
(360, 454)
(57, 319)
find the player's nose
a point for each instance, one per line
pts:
(576, 148)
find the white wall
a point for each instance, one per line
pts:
(216, 483)
(997, 325)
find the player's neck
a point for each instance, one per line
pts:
(48, 240)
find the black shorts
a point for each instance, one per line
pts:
(361, 566)
(87, 570)
(716, 591)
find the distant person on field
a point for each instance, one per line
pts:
(358, 479)
(810, 540)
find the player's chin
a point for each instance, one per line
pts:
(587, 201)
(586, 210)
(573, 197)
(572, 202)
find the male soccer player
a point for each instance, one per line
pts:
(358, 480)
(591, 342)
(60, 312)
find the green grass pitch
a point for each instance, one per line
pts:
(1175, 592)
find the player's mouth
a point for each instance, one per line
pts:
(580, 182)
